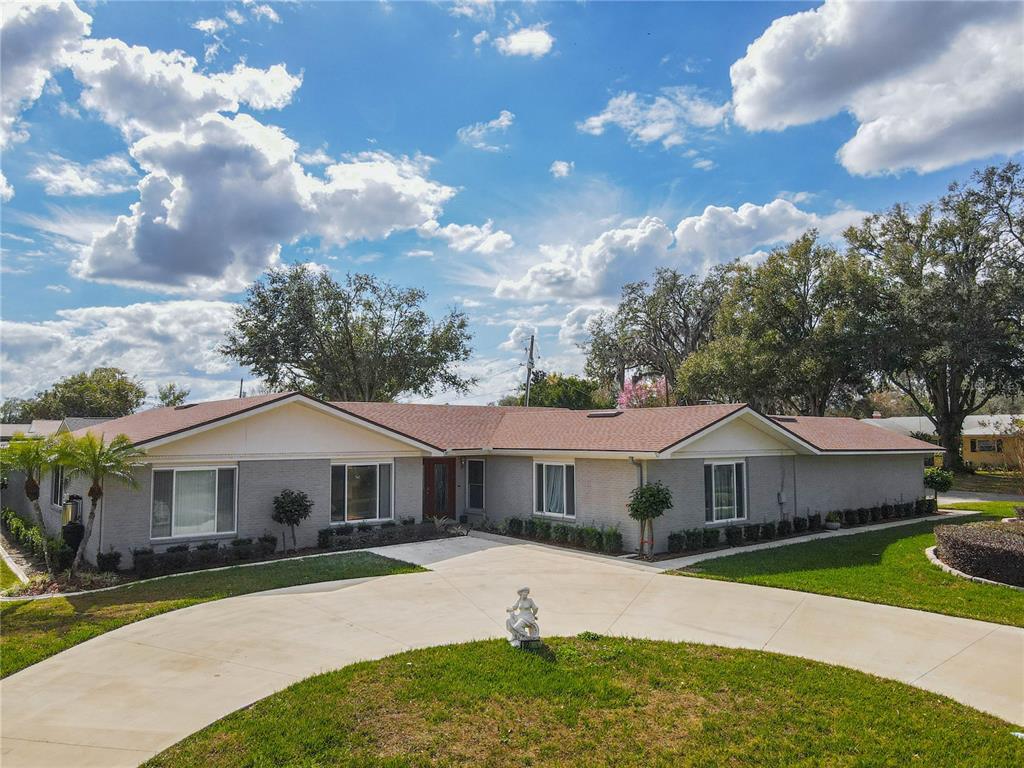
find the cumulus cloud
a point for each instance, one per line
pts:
(159, 341)
(480, 38)
(234, 16)
(722, 233)
(598, 268)
(472, 9)
(210, 26)
(318, 156)
(930, 85)
(106, 176)
(265, 12)
(519, 336)
(469, 237)
(6, 190)
(561, 168)
(666, 118)
(35, 40)
(481, 135)
(534, 41)
(573, 329)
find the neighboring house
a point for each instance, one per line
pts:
(213, 468)
(7, 431)
(985, 440)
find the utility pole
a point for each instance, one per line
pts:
(240, 387)
(529, 371)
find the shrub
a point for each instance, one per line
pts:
(364, 528)
(711, 537)
(241, 549)
(611, 540)
(799, 524)
(752, 532)
(646, 503)
(290, 509)
(785, 527)
(266, 544)
(990, 550)
(694, 538)
(323, 537)
(174, 558)
(560, 533)
(108, 562)
(933, 506)
(144, 562)
(907, 509)
(530, 528)
(542, 529)
(733, 535)
(31, 539)
(207, 553)
(407, 520)
(343, 530)
(767, 530)
(592, 538)
(576, 536)
(850, 517)
(875, 513)
(863, 516)
(389, 524)
(814, 521)
(921, 507)
(938, 479)
(515, 526)
(676, 542)
(885, 511)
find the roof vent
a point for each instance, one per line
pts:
(185, 406)
(603, 414)
(784, 418)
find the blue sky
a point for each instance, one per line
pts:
(518, 160)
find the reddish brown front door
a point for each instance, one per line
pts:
(439, 488)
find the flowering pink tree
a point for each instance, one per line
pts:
(642, 393)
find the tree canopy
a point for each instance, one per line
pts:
(363, 339)
(170, 394)
(556, 390)
(107, 392)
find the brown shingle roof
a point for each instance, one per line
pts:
(474, 427)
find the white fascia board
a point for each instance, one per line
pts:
(774, 428)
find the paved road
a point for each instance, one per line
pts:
(954, 497)
(124, 696)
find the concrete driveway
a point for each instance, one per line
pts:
(124, 696)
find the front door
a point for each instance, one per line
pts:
(439, 488)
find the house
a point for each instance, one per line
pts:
(986, 440)
(213, 469)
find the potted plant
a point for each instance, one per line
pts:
(833, 522)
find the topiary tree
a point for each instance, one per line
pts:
(291, 508)
(938, 479)
(647, 502)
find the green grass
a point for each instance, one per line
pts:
(32, 630)
(7, 577)
(887, 566)
(988, 481)
(599, 702)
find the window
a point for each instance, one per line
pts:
(361, 492)
(57, 486)
(475, 484)
(554, 489)
(987, 446)
(193, 502)
(725, 491)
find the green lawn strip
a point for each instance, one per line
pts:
(7, 576)
(33, 630)
(599, 702)
(987, 481)
(884, 566)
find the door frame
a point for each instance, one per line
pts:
(428, 485)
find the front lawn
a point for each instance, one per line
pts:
(7, 577)
(599, 702)
(32, 630)
(988, 481)
(886, 566)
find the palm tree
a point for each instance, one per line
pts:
(95, 459)
(33, 457)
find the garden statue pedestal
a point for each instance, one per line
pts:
(522, 623)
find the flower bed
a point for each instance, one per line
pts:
(32, 541)
(586, 537)
(992, 551)
(363, 535)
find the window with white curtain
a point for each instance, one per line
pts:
(361, 492)
(554, 489)
(725, 491)
(193, 502)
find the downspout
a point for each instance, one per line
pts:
(796, 507)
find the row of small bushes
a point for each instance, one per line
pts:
(365, 535)
(33, 542)
(737, 535)
(866, 515)
(182, 557)
(988, 550)
(587, 537)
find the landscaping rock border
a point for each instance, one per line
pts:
(934, 559)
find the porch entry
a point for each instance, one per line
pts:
(439, 488)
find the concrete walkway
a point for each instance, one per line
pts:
(964, 497)
(126, 695)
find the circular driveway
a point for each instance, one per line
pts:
(122, 697)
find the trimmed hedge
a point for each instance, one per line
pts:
(181, 557)
(989, 550)
(587, 537)
(33, 542)
(344, 537)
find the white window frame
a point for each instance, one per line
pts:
(483, 486)
(565, 497)
(988, 445)
(174, 491)
(364, 463)
(746, 490)
(57, 480)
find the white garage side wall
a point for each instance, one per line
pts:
(826, 483)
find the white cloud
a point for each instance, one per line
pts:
(469, 237)
(704, 164)
(143, 91)
(519, 336)
(598, 268)
(931, 85)
(533, 41)
(562, 168)
(265, 12)
(722, 233)
(210, 26)
(234, 16)
(35, 40)
(480, 38)
(159, 341)
(6, 190)
(419, 253)
(318, 156)
(106, 176)
(666, 118)
(66, 110)
(472, 9)
(574, 330)
(58, 288)
(480, 135)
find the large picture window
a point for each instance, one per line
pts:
(475, 484)
(554, 489)
(725, 491)
(361, 492)
(193, 502)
